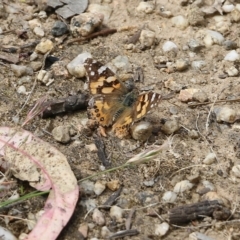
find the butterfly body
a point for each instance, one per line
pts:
(112, 103)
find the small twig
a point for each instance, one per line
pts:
(124, 233)
(103, 32)
(129, 219)
(219, 101)
(209, 113)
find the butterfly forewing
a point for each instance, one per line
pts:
(102, 80)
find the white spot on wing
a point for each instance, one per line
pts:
(92, 73)
(153, 97)
(101, 69)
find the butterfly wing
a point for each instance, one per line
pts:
(107, 93)
(102, 80)
(143, 104)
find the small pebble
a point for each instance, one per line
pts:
(208, 184)
(180, 22)
(113, 185)
(186, 95)
(59, 29)
(149, 183)
(83, 229)
(183, 186)
(141, 131)
(198, 65)
(232, 71)
(105, 232)
(161, 229)
(116, 213)
(89, 204)
(225, 114)
(236, 171)
(98, 217)
(99, 187)
(235, 15)
(44, 46)
(44, 76)
(230, 45)
(169, 46)
(91, 147)
(36, 66)
(169, 197)
(61, 134)
(181, 64)
(170, 126)
(104, 10)
(6, 234)
(209, 159)
(34, 23)
(42, 15)
(76, 66)
(227, 8)
(195, 45)
(85, 23)
(196, 17)
(21, 90)
(213, 37)
(147, 37)
(165, 13)
(232, 56)
(33, 56)
(193, 134)
(38, 31)
(121, 63)
(87, 187)
(146, 7)
(20, 71)
(200, 96)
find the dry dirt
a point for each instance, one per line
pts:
(185, 157)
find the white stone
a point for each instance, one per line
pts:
(182, 186)
(198, 64)
(33, 56)
(76, 66)
(227, 8)
(38, 31)
(208, 185)
(209, 159)
(105, 232)
(98, 217)
(180, 22)
(141, 131)
(161, 229)
(121, 62)
(169, 196)
(99, 187)
(232, 71)
(147, 38)
(169, 46)
(232, 56)
(103, 9)
(225, 114)
(213, 37)
(116, 213)
(34, 23)
(42, 14)
(236, 170)
(146, 7)
(21, 90)
(6, 234)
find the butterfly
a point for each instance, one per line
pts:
(113, 103)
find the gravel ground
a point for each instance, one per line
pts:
(187, 51)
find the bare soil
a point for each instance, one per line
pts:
(185, 157)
